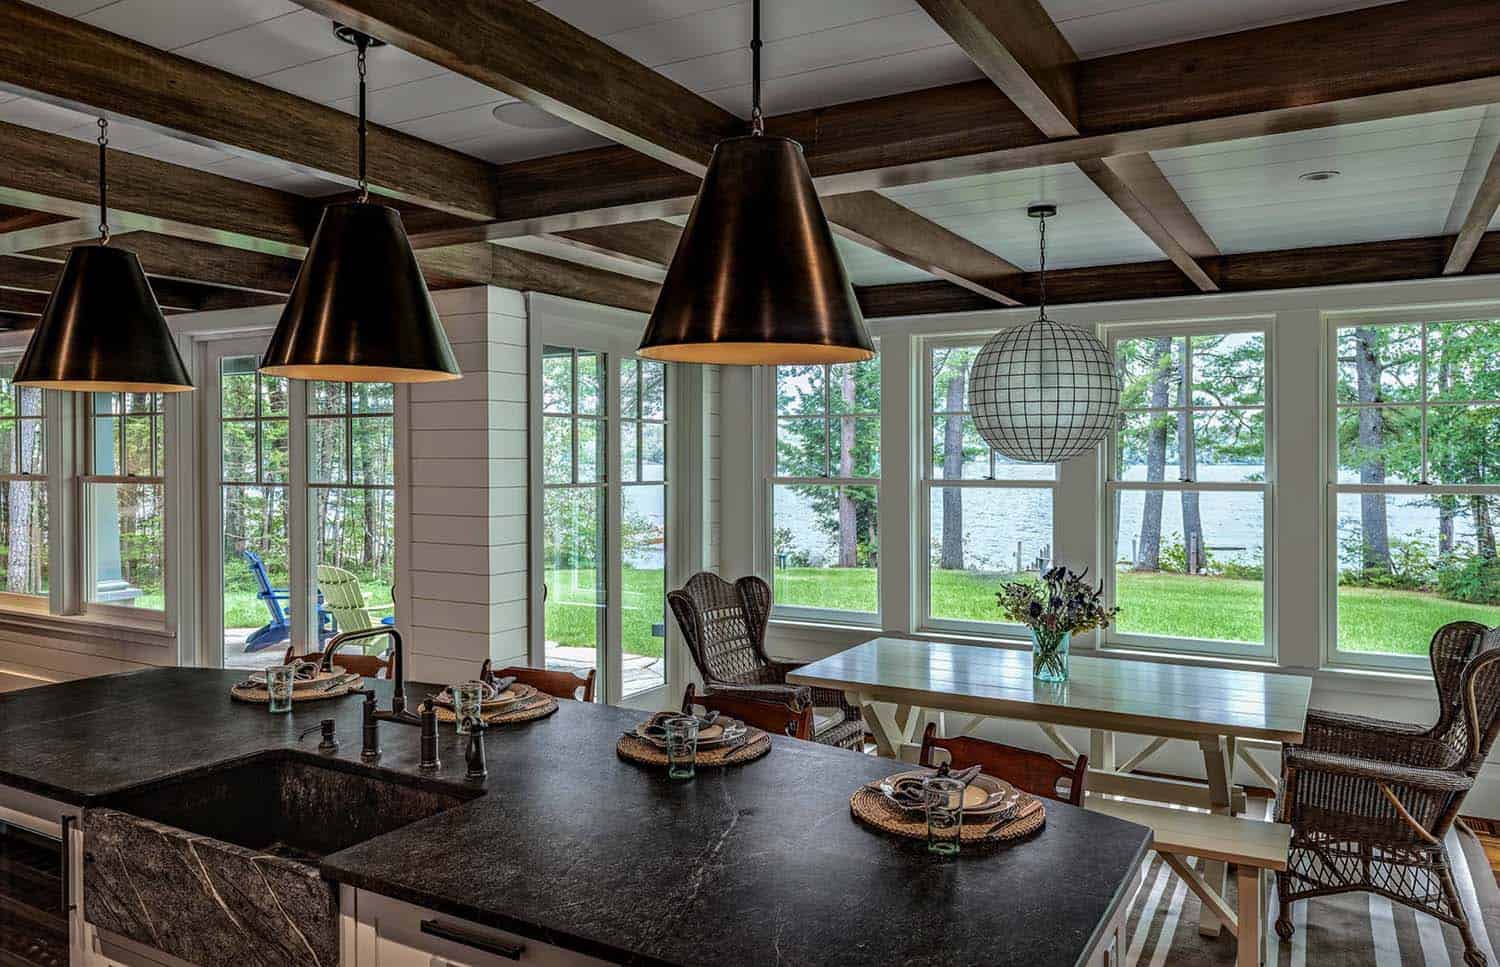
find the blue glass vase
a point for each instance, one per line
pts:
(1049, 655)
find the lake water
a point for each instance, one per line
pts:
(1005, 526)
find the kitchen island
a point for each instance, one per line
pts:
(571, 847)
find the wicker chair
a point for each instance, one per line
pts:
(1369, 802)
(724, 626)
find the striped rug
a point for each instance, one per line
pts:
(1353, 930)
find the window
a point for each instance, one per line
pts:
(1188, 495)
(23, 498)
(825, 486)
(124, 500)
(351, 466)
(989, 519)
(573, 505)
(254, 478)
(1415, 454)
(643, 523)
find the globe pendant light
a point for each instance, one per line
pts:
(359, 310)
(1045, 391)
(756, 279)
(102, 331)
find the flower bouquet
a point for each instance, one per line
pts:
(1055, 608)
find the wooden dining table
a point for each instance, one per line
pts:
(1226, 712)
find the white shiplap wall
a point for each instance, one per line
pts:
(466, 512)
(713, 531)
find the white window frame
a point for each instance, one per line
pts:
(1419, 663)
(928, 482)
(83, 405)
(772, 418)
(1113, 638)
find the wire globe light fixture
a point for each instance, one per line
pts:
(1045, 391)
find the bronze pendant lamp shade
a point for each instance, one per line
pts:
(756, 279)
(359, 310)
(102, 330)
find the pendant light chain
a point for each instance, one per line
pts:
(757, 119)
(1042, 274)
(362, 43)
(103, 207)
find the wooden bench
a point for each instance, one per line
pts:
(1255, 848)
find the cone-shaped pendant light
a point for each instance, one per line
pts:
(359, 310)
(756, 279)
(102, 331)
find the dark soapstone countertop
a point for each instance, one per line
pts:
(760, 864)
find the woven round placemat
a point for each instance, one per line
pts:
(757, 744)
(537, 707)
(870, 807)
(262, 697)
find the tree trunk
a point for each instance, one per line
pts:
(1484, 525)
(1192, 521)
(952, 557)
(18, 535)
(1447, 504)
(1372, 517)
(1148, 550)
(848, 533)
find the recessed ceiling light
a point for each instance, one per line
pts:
(519, 114)
(1328, 174)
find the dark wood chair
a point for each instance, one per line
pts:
(1033, 772)
(1370, 802)
(770, 714)
(724, 626)
(370, 666)
(558, 684)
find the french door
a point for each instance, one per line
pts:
(299, 488)
(602, 479)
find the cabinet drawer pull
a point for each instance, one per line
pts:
(469, 938)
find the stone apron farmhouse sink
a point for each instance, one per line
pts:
(221, 867)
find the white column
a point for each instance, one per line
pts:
(463, 590)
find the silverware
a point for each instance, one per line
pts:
(333, 683)
(1009, 814)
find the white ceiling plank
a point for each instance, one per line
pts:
(297, 38)
(170, 24)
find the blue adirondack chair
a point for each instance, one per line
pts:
(278, 603)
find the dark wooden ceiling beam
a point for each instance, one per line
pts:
(1021, 51)
(10, 321)
(1139, 189)
(651, 243)
(189, 260)
(517, 47)
(64, 231)
(38, 276)
(1018, 47)
(1481, 212)
(72, 62)
(1363, 263)
(52, 173)
(873, 220)
(1388, 61)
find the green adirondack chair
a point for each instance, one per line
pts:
(344, 598)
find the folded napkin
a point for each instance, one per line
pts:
(488, 690)
(908, 790)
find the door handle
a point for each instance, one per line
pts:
(470, 938)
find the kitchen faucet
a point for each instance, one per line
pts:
(372, 715)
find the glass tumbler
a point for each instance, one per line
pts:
(944, 798)
(682, 746)
(279, 679)
(468, 698)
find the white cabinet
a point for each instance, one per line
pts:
(390, 933)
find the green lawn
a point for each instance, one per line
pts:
(242, 609)
(574, 611)
(1371, 619)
